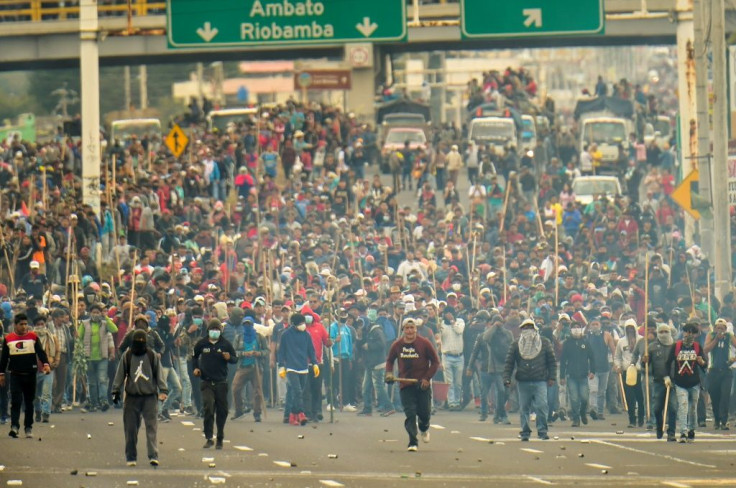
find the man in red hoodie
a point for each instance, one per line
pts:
(313, 389)
(21, 353)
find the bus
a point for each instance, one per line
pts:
(124, 129)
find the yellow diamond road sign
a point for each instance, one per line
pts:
(177, 141)
(682, 195)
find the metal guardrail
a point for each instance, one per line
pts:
(42, 10)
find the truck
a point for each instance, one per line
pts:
(607, 123)
(24, 128)
(124, 129)
(497, 133)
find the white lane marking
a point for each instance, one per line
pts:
(188, 423)
(331, 483)
(675, 484)
(665, 456)
(283, 464)
(437, 426)
(538, 480)
(243, 448)
(480, 439)
(597, 466)
(533, 451)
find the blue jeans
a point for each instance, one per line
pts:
(601, 380)
(373, 380)
(495, 381)
(453, 369)
(44, 384)
(687, 407)
(97, 382)
(186, 385)
(553, 398)
(173, 384)
(578, 392)
(294, 393)
(533, 397)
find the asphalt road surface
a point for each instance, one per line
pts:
(86, 450)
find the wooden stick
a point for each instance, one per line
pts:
(664, 413)
(7, 261)
(708, 285)
(505, 279)
(623, 392)
(557, 264)
(132, 290)
(505, 205)
(646, 338)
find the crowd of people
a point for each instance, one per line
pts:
(273, 266)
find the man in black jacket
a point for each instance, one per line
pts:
(576, 367)
(536, 368)
(211, 357)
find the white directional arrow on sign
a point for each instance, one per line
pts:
(533, 17)
(207, 32)
(367, 27)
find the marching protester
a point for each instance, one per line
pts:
(685, 362)
(417, 362)
(296, 354)
(141, 377)
(211, 357)
(21, 353)
(659, 351)
(533, 361)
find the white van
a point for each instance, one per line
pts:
(495, 132)
(124, 129)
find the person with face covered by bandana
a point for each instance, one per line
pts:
(140, 375)
(533, 358)
(685, 362)
(660, 349)
(211, 357)
(250, 347)
(576, 368)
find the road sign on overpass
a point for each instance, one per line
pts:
(523, 18)
(223, 23)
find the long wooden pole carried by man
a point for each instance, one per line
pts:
(646, 341)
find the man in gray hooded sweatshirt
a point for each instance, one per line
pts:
(141, 371)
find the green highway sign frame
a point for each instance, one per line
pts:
(242, 23)
(483, 19)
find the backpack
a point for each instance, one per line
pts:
(149, 353)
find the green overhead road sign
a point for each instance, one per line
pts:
(523, 18)
(233, 23)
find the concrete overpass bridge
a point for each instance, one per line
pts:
(40, 33)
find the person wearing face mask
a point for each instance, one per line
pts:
(534, 360)
(295, 355)
(603, 345)
(141, 376)
(623, 359)
(576, 368)
(212, 354)
(373, 343)
(718, 344)
(684, 363)
(251, 346)
(660, 349)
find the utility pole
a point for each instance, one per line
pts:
(89, 61)
(702, 158)
(719, 194)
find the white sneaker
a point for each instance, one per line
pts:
(131, 463)
(412, 448)
(330, 408)
(425, 437)
(350, 408)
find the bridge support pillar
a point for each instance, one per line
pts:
(89, 65)
(362, 58)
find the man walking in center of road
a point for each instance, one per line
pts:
(140, 369)
(418, 363)
(211, 357)
(536, 368)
